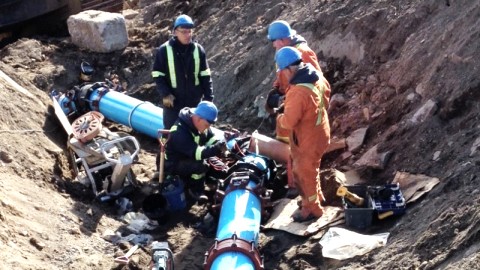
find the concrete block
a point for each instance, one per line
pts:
(98, 31)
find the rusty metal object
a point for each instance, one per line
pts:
(87, 126)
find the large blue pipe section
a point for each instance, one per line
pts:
(240, 215)
(141, 116)
(242, 206)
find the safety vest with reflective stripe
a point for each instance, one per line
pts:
(171, 64)
(319, 94)
(196, 139)
(198, 150)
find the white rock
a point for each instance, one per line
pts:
(98, 31)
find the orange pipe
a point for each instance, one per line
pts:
(271, 148)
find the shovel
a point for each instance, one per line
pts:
(162, 141)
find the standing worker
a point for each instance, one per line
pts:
(281, 34)
(181, 72)
(191, 142)
(305, 116)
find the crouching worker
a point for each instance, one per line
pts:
(191, 142)
(305, 115)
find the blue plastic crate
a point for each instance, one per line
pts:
(387, 199)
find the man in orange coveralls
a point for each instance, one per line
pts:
(305, 115)
(281, 34)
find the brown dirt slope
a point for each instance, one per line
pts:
(387, 58)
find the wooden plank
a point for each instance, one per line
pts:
(62, 117)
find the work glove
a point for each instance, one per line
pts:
(220, 148)
(274, 99)
(168, 101)
(280, 109)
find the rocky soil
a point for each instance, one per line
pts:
(407, 70)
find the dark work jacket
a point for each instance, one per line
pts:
(182, 145)
(187, 94)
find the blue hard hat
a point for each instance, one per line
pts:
(183, 21)
(207, 110)
(280, 29)
(287, 56)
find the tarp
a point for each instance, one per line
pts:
(284, 208)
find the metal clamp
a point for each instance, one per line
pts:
(234, 244)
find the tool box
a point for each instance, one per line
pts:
(387, 200)
(358, 217)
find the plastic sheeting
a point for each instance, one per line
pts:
(341, 244)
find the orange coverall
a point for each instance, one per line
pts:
(281, 82)
(305, 115)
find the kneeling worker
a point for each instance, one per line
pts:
(191, 142)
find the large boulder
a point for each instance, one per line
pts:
(98, 31)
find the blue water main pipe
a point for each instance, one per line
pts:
(240, 215)
(236, 242)
(141, 116)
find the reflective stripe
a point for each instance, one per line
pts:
(196, 59)
(171, 66)
(197, 176)
(198, 152)
(283, 139)
(312, 198)
(211, 141)
(156, 74)
(205, 72)
(319, 94)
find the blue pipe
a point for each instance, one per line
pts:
(141, 116)
(236, 243)
(241, 215)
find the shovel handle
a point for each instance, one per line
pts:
(162, 141)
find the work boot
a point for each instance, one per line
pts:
(307, 213)
(292, 193)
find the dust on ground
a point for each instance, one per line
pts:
(385, 58)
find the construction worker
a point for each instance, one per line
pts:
(281, 34)
(181, 71)
(305, 116)
(191, 142)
